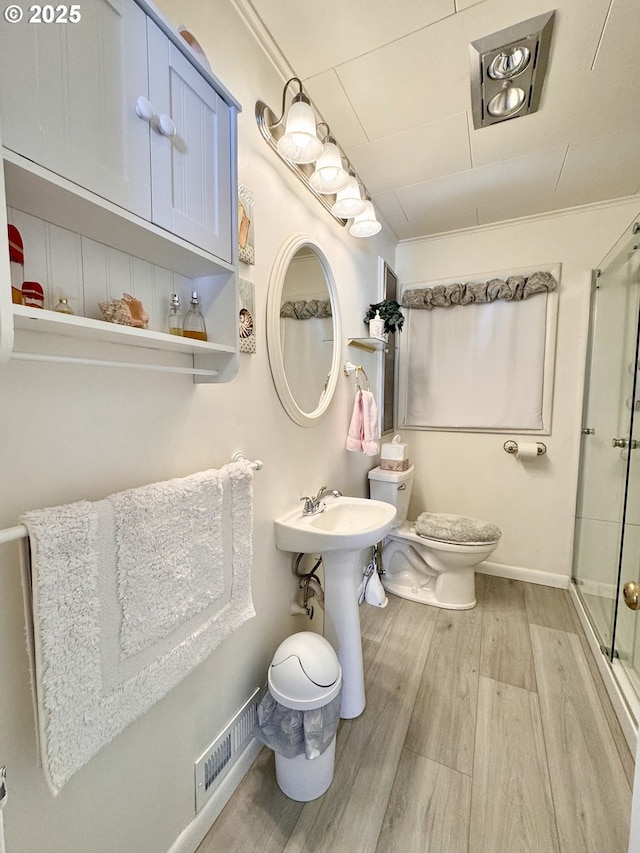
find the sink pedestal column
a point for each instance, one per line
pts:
(342, 577)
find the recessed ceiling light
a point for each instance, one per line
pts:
(509, 63)
(506, 103)
(518, 53)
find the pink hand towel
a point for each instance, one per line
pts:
(371, 432)
(356, 427)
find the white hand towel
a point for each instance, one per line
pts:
(370, 432)
(356, 427)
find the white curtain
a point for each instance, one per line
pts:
(478, 366)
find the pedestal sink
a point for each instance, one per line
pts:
(339, 533)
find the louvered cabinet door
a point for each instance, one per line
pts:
(68, 93)
(190, 150)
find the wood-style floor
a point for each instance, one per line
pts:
(485, 731)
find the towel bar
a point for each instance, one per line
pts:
(11, 534)
(238, 456)
(350, 368)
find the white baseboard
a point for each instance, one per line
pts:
(518, 573)
(193, 834)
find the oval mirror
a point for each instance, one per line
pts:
(303, 330)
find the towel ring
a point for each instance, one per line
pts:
(350, 368)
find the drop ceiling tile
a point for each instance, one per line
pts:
(330, 99)
(315, 38)
(404, 84)
(391, 211)
(519, 187)
(417, 155)
(603, 167)
(621, 37)
(436, 206)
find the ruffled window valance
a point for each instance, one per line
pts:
(302, 309)
(514, 288)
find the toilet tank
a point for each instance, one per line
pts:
(392, 487)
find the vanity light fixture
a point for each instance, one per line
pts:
(348, 201)
(299, 142)
(365, 224)
(333, 180)
(329, 176)
(507, 71)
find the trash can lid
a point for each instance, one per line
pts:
(305, 672)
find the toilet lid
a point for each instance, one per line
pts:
(455, 528)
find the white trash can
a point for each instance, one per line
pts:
(299, 716)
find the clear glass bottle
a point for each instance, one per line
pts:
(194, 325)
(175, 316)
(63, 307)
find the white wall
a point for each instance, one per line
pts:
(71, 432)
(470, 473)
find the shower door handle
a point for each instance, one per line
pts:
(631, 593)
(624, 442)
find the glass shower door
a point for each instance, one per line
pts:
(626, 626)
(608, 510)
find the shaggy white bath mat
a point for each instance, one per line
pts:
(128, 595)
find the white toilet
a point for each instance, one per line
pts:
(432, 559)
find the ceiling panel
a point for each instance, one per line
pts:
(326, 92)
(518, 187)
(621, 37)
(317, 37)
(436, 206)
(611, 160)
(417, 155)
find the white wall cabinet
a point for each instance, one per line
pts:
(67, 97)
(79, 157)
(189, 178)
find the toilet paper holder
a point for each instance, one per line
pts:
(512, 447)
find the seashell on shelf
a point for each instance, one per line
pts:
(127, 311)
(246, 323)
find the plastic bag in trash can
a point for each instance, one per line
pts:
(290, 733)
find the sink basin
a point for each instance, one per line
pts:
(346, 524)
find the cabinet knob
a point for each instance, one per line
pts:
(166, 126)
(144, 108)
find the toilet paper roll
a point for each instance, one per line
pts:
(527, 450)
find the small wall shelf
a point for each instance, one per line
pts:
(369, 344)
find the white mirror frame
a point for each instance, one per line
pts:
(274, 301)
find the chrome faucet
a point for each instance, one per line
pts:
(315, 505)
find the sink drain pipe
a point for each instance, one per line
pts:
(310, 587)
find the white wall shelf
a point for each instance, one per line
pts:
(368, 344)
(105, 232)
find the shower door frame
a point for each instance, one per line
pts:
(627, 694)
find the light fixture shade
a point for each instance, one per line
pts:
(300, 142)
(348, 202)
(329, 176)
(365, 224)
